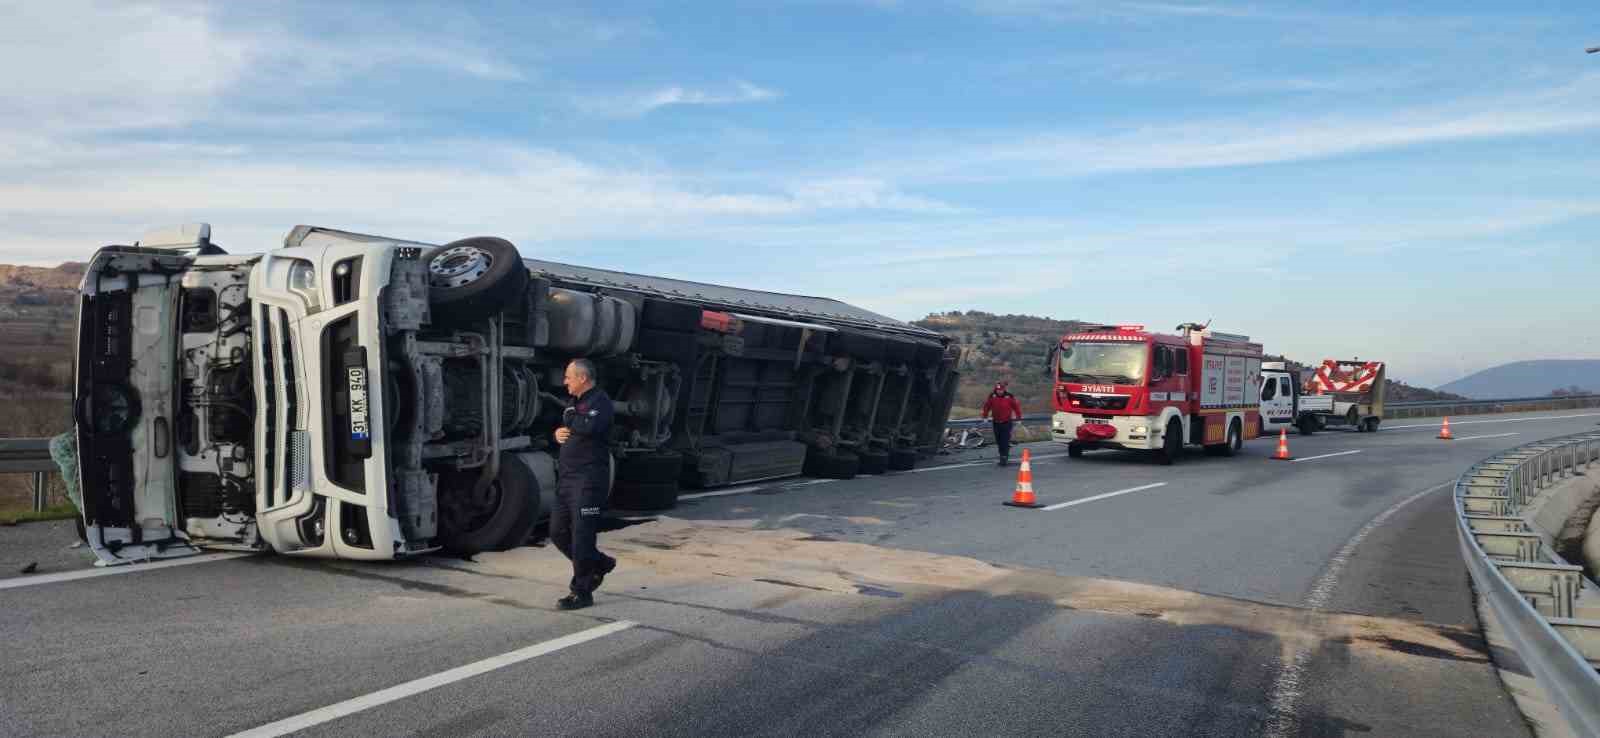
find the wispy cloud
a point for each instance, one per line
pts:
(1235, 141)
(530, 193)
(97, 67)
(642, 103)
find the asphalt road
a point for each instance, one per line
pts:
(1241, 596)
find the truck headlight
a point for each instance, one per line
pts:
(1141, 429)
(303, 282)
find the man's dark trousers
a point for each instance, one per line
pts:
(581, 492)
(574, 524)
(1002, 438)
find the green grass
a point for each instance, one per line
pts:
(64, 511)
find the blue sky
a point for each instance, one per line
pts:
(1416, 185)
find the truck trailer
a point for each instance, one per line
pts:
(365, 397)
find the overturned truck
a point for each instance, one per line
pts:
(356, 396)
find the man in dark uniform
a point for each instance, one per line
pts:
(585, 482)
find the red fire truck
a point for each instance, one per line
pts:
(1123, 387)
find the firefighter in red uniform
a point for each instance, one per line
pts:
(1003, 406)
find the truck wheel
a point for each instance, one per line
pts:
(1307, 426)
(669, 346)
(502, 515)
(872, 462)
(823, 465)
(474, 278)
(1372, 425)
(658, 467)
(1235, 440)
(644, 496)
(1074, 451)
(1171, 445)
(902, 459)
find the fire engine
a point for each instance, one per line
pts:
(1122, 387)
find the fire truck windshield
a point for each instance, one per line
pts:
(1109, 363)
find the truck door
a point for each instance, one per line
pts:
(1277, 401)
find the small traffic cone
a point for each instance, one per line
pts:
(1444, 430)
(1023, 497)
(1283, 446)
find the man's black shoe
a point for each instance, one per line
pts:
(575, 601)
(607, 568)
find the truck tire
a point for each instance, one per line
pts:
(657, 467)
(666, 315)
(1171, 444)
(1307, 425)
(872, 462)
(1231, 446)
(670, 346)
(1074, 451)
(644, 496)
(1235, 439)
(823, 465)
(858, 345)
(474, 278)
(902, 459)
(503, 515)
(1372, 425)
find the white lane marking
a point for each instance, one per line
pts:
(1324, 456)
(1060, 505)
(417, 686)
(1496, 435)
(810, 482)
(132, 568)
(946, 466)
(1283, 719)
(722, 492)
(1479, 422)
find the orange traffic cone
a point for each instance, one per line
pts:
(1283, 446)
(1444, 430)
(1023, 497)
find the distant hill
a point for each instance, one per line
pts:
(1529, 379)
(1014, 347)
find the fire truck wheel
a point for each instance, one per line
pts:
(1235, 440)
(902, 459)
(1171, 444)
(473, 278)
(872, 462)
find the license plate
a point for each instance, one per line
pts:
(359, 429)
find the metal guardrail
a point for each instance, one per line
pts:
(1423, 408)
(1531, 590)
(1410, 408)
(1497, 401)
(29, 456)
